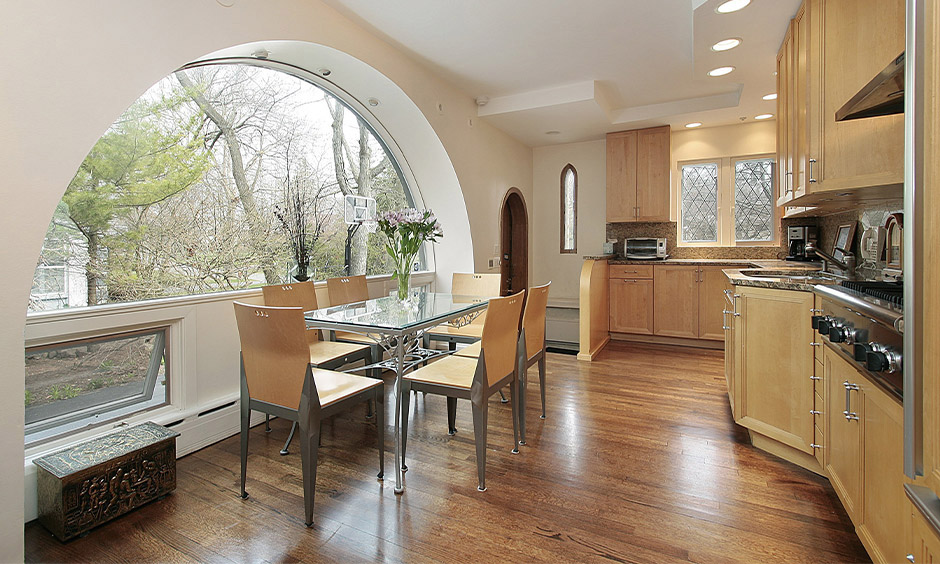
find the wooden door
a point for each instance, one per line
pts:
(851, 41)
(711, 302)
(631, 306)
(514, 241)
(621, 176)
(652, 174)
(675, 301)
(884, 502)
(844, 460)
(784, 181)
(775, 366)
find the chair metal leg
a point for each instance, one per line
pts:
(452, 345)
(521, 387)
(479, 438)
(542, 382)
(310, 439)
(405, 408)
(514, 395)
(380, 427)
(451, 415)
(290, 437)
(245, 421)
(267, 422)
(502, 397)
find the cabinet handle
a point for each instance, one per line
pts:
(814, 310)
(814, 378)
(910, 557)
(811, 177)
(814, 446)
(815, 344)
(849, 414)
(788, 177)
(815, 412)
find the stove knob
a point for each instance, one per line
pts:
(861, 351)
(837, 333)
(816, 320)
(876, 361)
(823, 325)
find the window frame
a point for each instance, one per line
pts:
(562, 209)
(726, 205)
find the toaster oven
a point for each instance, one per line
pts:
(645, 248)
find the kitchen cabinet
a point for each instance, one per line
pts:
(638, 175)
(925, 545)
(844, 416)
(832, 49)
(688, 301)
(728, 316)
(773, 365)
(631, 305)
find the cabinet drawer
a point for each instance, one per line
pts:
(819, 386)
(640, 271)
(820, 414)
(819, 439)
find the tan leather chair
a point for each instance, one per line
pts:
(465, 284)
(277, 379)
(533, 324)
(323, 354)
(476, 379)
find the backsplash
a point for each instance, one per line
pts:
(866, 216)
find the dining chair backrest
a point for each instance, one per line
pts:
(473, 284)
(500, 336)
(533, 319)
(347, 289)
(275, 352)
(295, 294)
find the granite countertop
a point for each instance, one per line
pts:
(786, 274)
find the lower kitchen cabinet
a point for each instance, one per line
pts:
(844, 415)
(711, 302)
(675, 299)
(773, 365)
(631, 305)
(925, 544)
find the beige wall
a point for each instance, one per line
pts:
(715, 142)
(72, 67)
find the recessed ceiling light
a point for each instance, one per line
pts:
(694, 124)
(720, 71)
(726, 44)
(324, 72)
(764, 116)
(772, 96)
(373, 102)
(731, 6)
(552, 132)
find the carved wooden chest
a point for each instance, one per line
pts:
(91, 483)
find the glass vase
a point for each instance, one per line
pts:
(404, 285)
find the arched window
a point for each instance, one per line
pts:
(569, 209)
(199, 187)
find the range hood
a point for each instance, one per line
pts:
(883, 96)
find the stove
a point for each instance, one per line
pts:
(863, 320)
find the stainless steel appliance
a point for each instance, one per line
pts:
(797, 238)
(645, 248)
(864, 322)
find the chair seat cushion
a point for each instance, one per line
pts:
(471, 351)
(322, 352)
(474, 330)
(353, 337)
(337, 386)
(453, 371)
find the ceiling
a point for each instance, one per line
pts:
(582, 69)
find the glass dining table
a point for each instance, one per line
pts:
(397, 327)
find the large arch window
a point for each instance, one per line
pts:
(188, 191)
(569, 209)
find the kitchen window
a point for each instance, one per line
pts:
(727, 202)
(569, 209)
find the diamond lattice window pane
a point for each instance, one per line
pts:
(700, 202)
(753, 200)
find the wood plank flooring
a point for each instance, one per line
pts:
(638, 461)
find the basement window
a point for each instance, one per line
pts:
(78, 384)
(727, 202)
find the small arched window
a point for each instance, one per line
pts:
(569, 209)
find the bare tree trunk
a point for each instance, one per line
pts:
(245, 194)
(359, 246)
(91, 268)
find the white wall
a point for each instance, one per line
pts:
(548, 263)
(73, 67)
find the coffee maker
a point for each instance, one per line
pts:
(797, 237)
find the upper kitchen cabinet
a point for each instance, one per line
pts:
(831, 50)
(638, 175)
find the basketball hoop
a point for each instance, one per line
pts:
(359, 210)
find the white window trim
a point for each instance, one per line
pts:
(725, 204)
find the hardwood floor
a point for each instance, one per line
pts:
(638, 461)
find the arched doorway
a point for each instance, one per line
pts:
(514, 243)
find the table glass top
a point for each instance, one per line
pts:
(389, 313)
